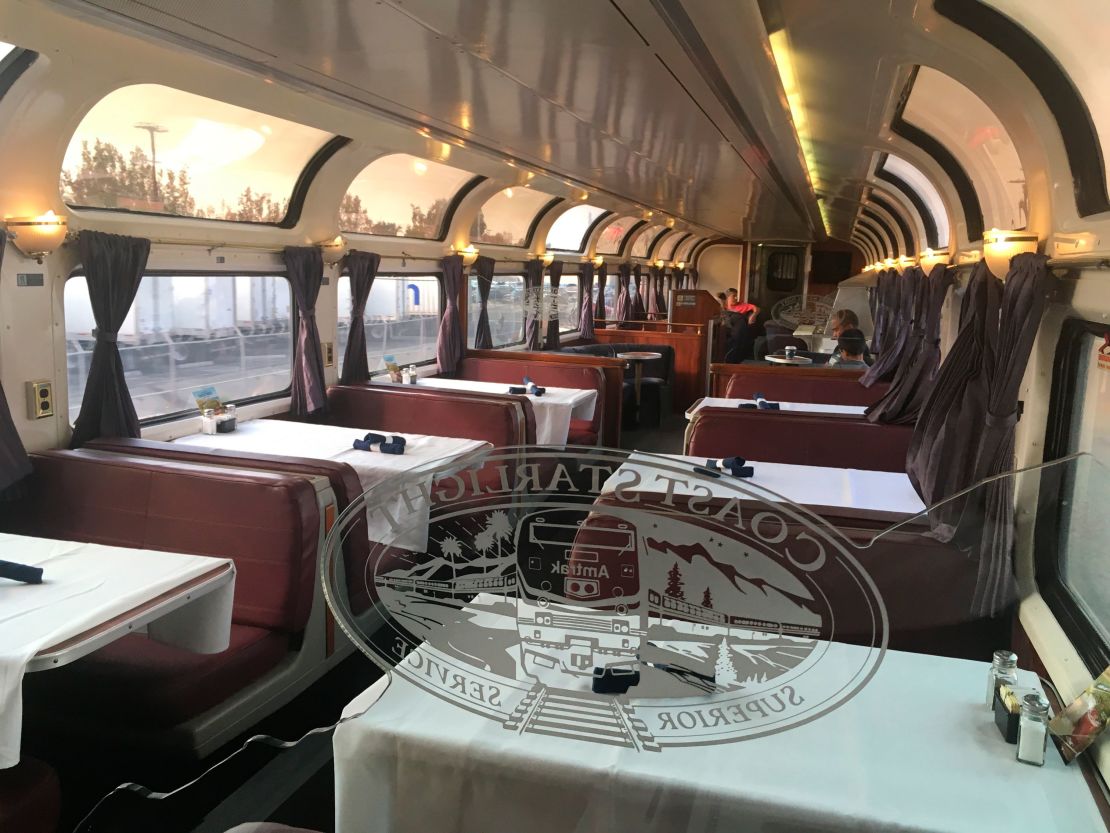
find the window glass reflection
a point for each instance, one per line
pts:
(507, 216)
(612, 236)
(568, 233)
(401, 196)
(924, 187)
(642, 245)
(402, 319)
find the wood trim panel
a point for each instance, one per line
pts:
(720, 372)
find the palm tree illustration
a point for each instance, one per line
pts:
(453, 550)
(501, 528)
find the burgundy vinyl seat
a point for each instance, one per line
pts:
(267, 523)
(798, 438)
(30, 799)
(824, 386)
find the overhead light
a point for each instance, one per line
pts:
(419, 167)
(39, 236)
(680, 265)
(508, 192)
(333, 251)
(659, 264)
(547, 258)
(670, 222)
(598, 260)
(780, 49)
(469, 254)
(890, 262)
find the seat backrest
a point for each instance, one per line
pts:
(662, 368)
(604, 350)
(821, 386)
(267, 523)
(545, 374)
(776, 343)
(342, 477)
(502, 420)
(798, 438)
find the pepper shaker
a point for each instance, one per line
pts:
(1003, 670)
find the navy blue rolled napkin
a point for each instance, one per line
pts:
(750, 406)
(519, 390)
(736, 466)
(533, 388)
(394, 446)
(763, 405)
(20, 572)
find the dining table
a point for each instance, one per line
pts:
(795, 407)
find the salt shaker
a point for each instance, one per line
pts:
(1003, 670)
(412, 374)
(208, 421)
(1032, 730)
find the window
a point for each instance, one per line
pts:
(505, 307)
(402, 319)
(569, 231)
(6, 49)
(783, 270)
(612, 236)
(925, 189)
(402, 196)
(667, 247)
(686, 249)
(569, 304)
(642, 245)
(156, 149)
(186, 331)
(953, 115)
(1072, 568)
(507, 217)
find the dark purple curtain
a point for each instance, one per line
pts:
(483, 335)
(679, 278)
(886, 305)
(363, 268)
(898, 335)
(114, 266)
(450, 340)
(692, 274)
(652, 292)
(639, 311)
(942, 454)
(14, 465)
(600, 310)
(586, 294)
(664, 291)
(305, 267)
(902, 404)
(623, 310)
(1024, 300)
(533, 303)
(555, 274)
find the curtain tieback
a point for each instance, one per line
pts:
(107, 338)
(1002, 421)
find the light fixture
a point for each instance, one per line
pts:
(905, 261)
(598, 260)
(547, 258)
(870, 267)
(1064, 244)
(879, 264)
(680, 265)
(419, 167)
(999, 246)
(469, 254)
(969, 256)
(333, 251)
(930, 258)
(39, 236)
(670, 222)
(508, 192)
(659, 264)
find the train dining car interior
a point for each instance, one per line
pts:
(494, 415)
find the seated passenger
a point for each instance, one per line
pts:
(844, 319)
(740, 341)
(723, 299)
(850, 347)
(733, 304)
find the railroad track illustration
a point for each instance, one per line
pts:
(586, 717)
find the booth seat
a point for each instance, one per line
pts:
(30, 799)
(342, 478)
(135, 689)
(798, 438)
(821, 385)
(656, 384)
(545, 374)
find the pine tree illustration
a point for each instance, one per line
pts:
(707, 599)
(674, 583)
(724, 671)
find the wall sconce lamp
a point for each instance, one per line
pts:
(930, 258)
(37, 237)
(680, 265)
(334, 250)
(547, 258)
(598, 260)
(905, 261)
(659, 264)
(469, 254)
(870, 267)
(1000, 246)
(890, 263)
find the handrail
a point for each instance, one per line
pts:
(661, 326)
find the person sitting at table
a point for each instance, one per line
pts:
(740, 338)
(850, 348)
(733, 304)
(844, 319)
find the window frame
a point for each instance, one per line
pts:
(1083, 635)
(15, 63)
(602, 217)
(437, 274)
(184, 413)
(623, 242)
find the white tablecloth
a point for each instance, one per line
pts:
(914, 750)
(328, 442)
(800, 407)
(554, 410)
(85, 585)
(878, 491)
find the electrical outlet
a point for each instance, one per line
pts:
(329, 354)
(40, 399)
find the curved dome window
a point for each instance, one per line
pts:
(953, 115)
(506, 218)
(568, 233)
(667, 247)
(402, 196)
(686, 248)
(154, 149)
(613, 235)
(642, 244)
(923, 186)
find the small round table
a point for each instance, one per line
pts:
(638, 357)
(781, 359)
